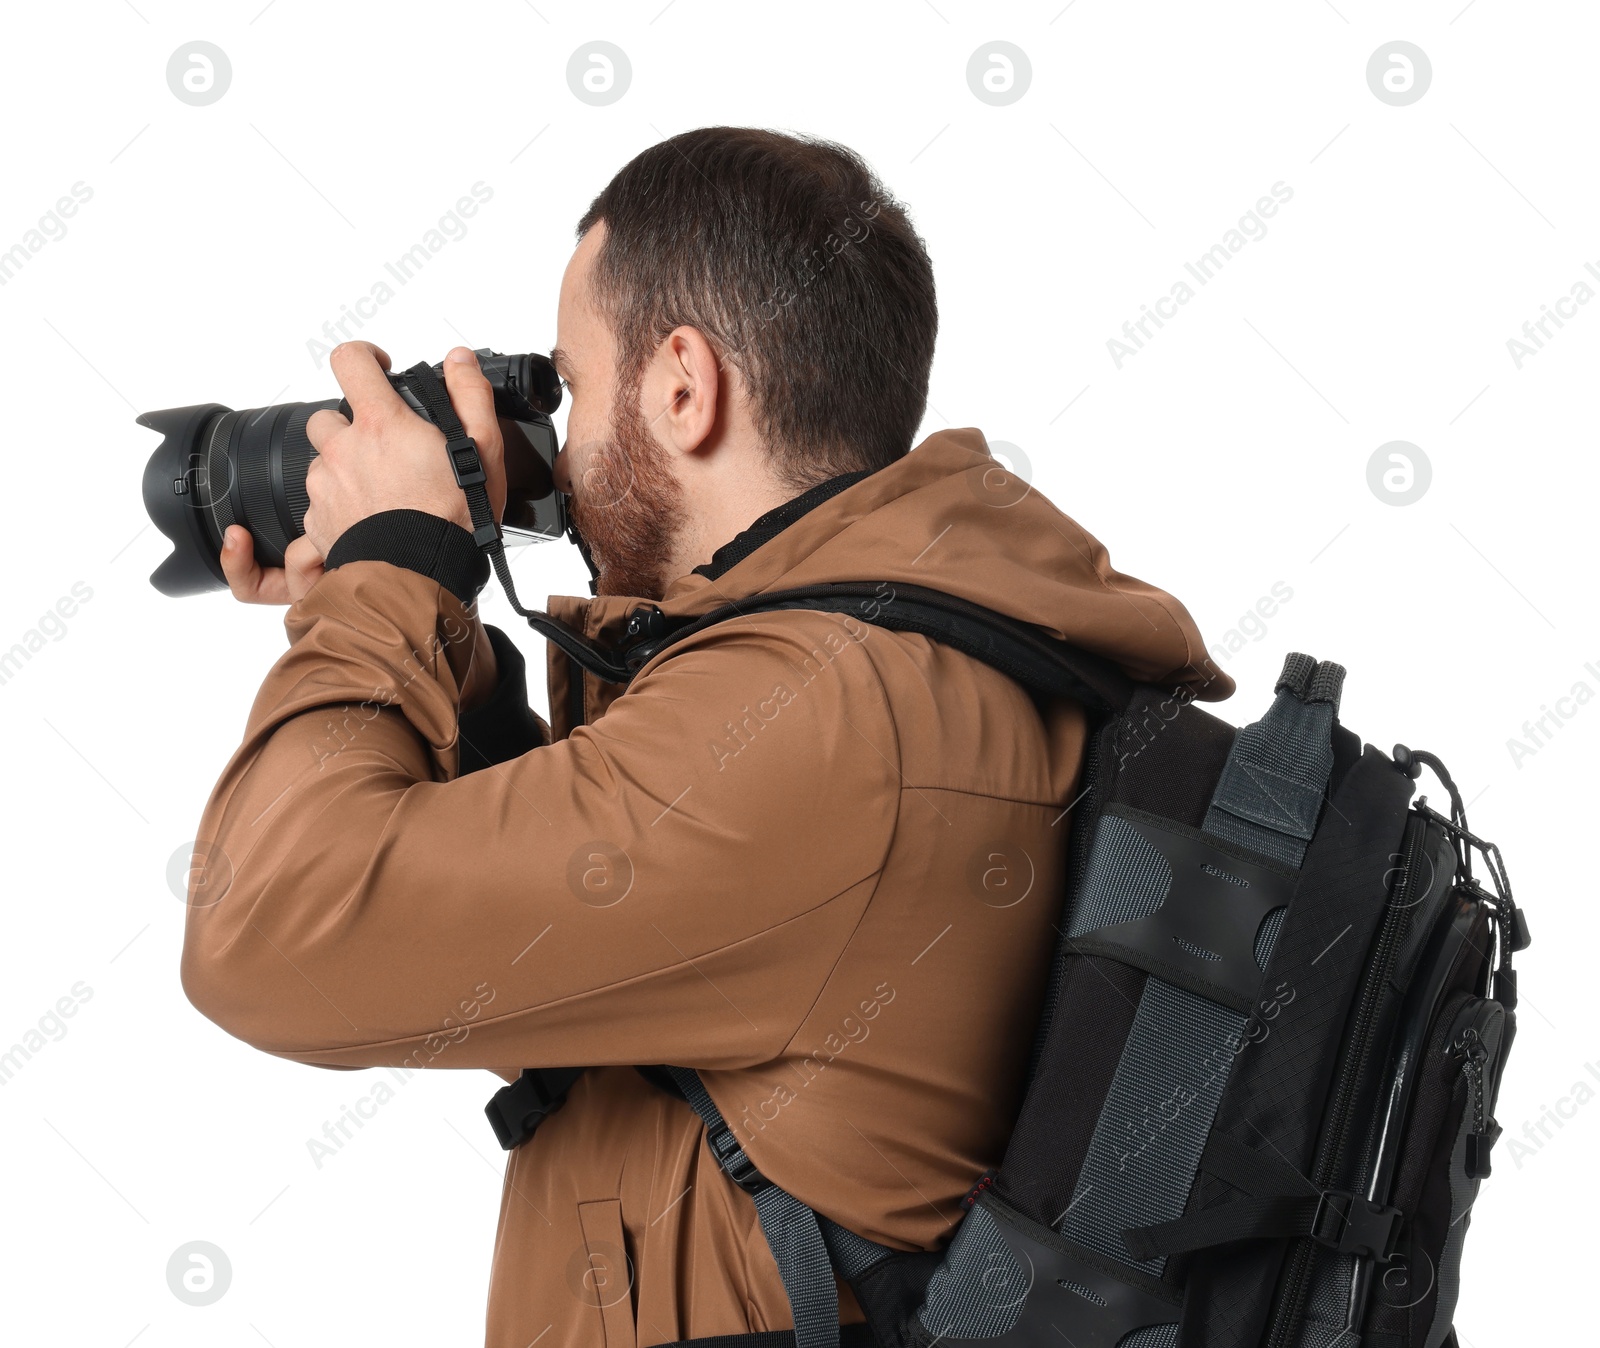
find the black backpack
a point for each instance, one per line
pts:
(1260, 1096)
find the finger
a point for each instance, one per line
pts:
(302, 567)
(471, 395)
(249, 582)
(473, 401)
(239, 563)
(323, 424)
(359, 367)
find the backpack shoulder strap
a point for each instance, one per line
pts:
(1028, 654)
(807, 1246)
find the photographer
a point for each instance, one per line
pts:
(814, 859)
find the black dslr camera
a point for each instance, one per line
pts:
(216, 467)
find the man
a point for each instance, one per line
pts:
(815, 860)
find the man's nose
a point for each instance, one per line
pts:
(558, 470)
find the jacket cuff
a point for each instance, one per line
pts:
(429, 544)
(504, 727)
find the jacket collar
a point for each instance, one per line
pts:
(775, 521)
(945, 517)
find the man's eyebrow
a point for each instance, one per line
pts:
(558, 358)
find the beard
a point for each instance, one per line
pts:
(627, 505)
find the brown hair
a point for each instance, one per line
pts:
(799, 268)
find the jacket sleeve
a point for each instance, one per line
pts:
(500, 724)
(670, 884)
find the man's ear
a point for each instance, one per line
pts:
(681, 391)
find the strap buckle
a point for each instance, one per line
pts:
(1352, 1224)
(465, 461)
(736, 1165)
(642, 638)
(516, 1111)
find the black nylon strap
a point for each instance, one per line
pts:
(463, 450)
(1251, 1171)
(1242, 1219)
(1278, 1202)
(1020, 650)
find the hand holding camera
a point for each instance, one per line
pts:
(383, 456)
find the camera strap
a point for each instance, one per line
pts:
(473, 481)
(463, 452)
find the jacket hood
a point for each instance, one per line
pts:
(949, 517)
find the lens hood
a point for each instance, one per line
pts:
(176, 506)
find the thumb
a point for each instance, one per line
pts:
(302, 567)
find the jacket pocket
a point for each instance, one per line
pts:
(601, 1274)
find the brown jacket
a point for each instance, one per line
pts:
(813, 859)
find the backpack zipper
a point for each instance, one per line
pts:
(1474, 1054)
(1331, 1155)
(1470, 1049)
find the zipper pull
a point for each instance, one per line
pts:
(1520, 939)
(1480, 1141)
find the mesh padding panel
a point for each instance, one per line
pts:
(1126, 879)
(1152, 1336)
(979, 1290)
(1267, 936)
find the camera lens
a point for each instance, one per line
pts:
(216, 467)
(254, 474)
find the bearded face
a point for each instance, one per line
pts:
(626, 503)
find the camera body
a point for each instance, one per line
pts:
(216, 466)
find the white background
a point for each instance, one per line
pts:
(1229, 454)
